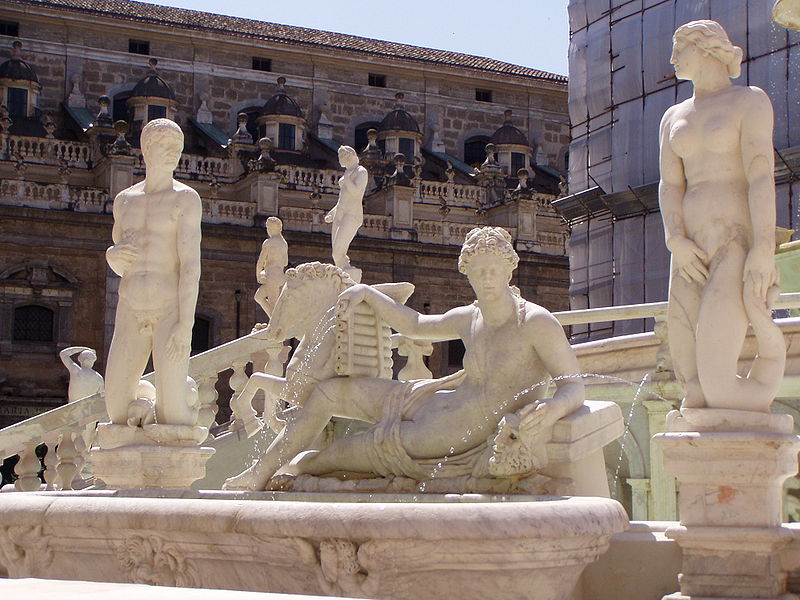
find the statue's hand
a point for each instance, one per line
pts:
(178, 343)
(330, 215)
(352, 296)
(121, 256)
(759, 272)
(689, 259)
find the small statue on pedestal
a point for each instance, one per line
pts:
(271, 263)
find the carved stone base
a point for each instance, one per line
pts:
(731, 466)
(149, 457)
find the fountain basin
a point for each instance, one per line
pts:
(453, 546)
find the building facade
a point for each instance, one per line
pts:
(620, 84)
(450, 141)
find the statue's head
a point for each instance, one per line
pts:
(274, 226)
(162, 143)
(347, 156)
(711, 40)
(488, 240)
(87, 358)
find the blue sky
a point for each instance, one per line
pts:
(533, 33)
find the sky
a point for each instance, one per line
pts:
(532, 33)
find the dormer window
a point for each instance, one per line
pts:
(138, 47)
(405, 146)
(517, 163)
(286, 133)
(17, 102)
(155, 111)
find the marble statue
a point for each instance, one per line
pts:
(514, 348)
(717, 201)
(272, 261)
(348, 214)
(156, 252)
(84, 381)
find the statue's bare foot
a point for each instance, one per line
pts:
(251, 479)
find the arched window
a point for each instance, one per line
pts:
(360, 137)
(201, 334)
(33, 323)
(475, 150)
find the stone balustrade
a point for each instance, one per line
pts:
(304, 178)
(65, 428)
(455, 194)
(231, 212)
(36, 150)
(53, 196)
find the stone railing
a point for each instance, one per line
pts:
(65, 428)
(36, 150)
(304, 178)
(231, 212)
(454, 194)
(195, 167)
(16, 192)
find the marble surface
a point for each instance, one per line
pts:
(717, 199)
(453, 548)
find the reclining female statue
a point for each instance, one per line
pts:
(513, 350)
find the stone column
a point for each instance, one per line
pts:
(662, 483)
(731, 466)
(640, 501)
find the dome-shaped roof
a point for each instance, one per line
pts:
(152, 85)
(399, 119)
(508, 134)
(281, 103)
(16, 68)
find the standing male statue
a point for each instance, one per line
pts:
(156, 251)
(271, 262)
(348, 214)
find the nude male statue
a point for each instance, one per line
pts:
(156, 251)
(348, 214)
(271, 262)
(84, 381)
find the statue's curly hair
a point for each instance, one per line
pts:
(159, 131)
(487, 240)
(711, 38)
(318, 270)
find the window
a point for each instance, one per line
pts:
(475, 151)
(138, 46)
(9, 28)
(406, 147)
(376, 80)
(382, 145)
(201, 334)
(360, 139)
(33, 323)
(566, 161)
(262, 64)
(482, 95)
(17, 102)
(285, 136)
(119, 107)
(517, 163)
(154, 111)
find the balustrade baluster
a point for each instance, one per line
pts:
(208, 399)
(67, 467)
(243, 411)
(28, 469)
(50, 460)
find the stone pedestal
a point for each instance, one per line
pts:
(731, 466)
(150, 457)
